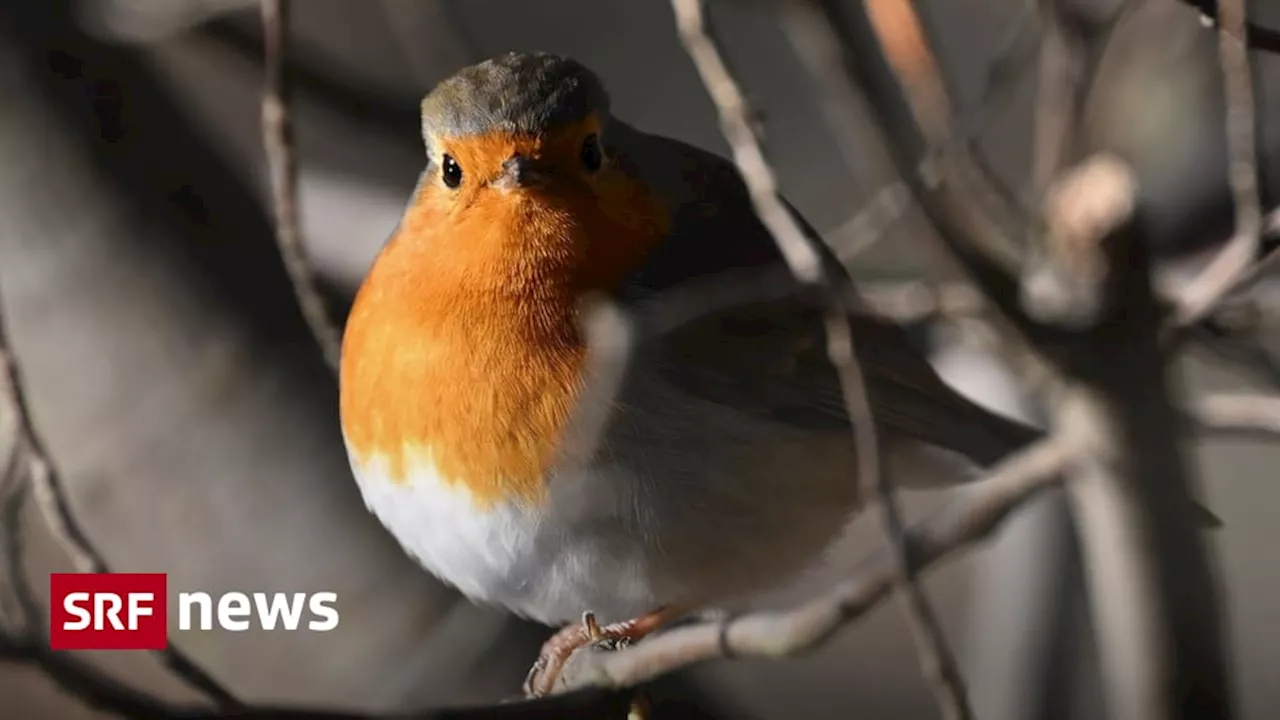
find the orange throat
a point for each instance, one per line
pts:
(477, 392)
(462, 357)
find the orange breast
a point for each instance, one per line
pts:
(462, 353)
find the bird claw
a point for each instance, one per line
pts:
(545, 671)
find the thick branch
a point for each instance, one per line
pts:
(1152, 584)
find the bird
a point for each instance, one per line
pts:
(579, 382)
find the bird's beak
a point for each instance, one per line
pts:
(520, 172)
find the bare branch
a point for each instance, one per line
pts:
(1245, 280)
(1239, 413)
(738, 127)
(778, 634)
(912, 301)
(1152, 582)
(905, 44)
(1117, 358)
(1063, 270)
(939, 171)
(1257, 36)
(871, 223)
(937, 659)
(1232, 264)
(277, 138)
(33, 463)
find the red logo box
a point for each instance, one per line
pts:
(108, 611)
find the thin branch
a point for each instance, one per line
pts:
(1193, 672)
(12, 500)
(937, 659)
(1240, 352)
(871, 224)
(1059, 96)
(843, 109)
(50, 495)
(13, 495)
(1246, 279)
(1232, 263)
(912, 301)
(1256, 36)
(277, 138)
(737, 125)
(906, 48)
(1079, 207)
(102, 692)
(1239, 413)
(919, 141)
(977, 513)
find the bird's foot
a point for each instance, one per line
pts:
(556, 651)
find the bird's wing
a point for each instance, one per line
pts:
(729, 325)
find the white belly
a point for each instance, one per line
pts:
(521, 558)
(682, 503)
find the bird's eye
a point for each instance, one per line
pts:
(591, 157)
(451, 172)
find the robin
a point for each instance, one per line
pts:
(578, 378)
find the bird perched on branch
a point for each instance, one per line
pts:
(579, 378)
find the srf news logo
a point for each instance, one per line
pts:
(129, 611)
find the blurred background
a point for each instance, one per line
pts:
(195, 421)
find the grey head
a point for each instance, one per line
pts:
(519, 93)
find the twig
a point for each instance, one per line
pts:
(1062, 80)
(1246, 279)
(100, 691)
(12, 500)
(277, 138)
(1239, 413)
(843, 108)
(792, 632)
(51, 498)
(737, 125)
(871, 224)
(1017, 45)
(937, 659)
(1247, 355)
(1257, 37)
(1232, 263)
(920, 146)
(1065, 266)
(1185, 611)
(13, 495)
(912, 301)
